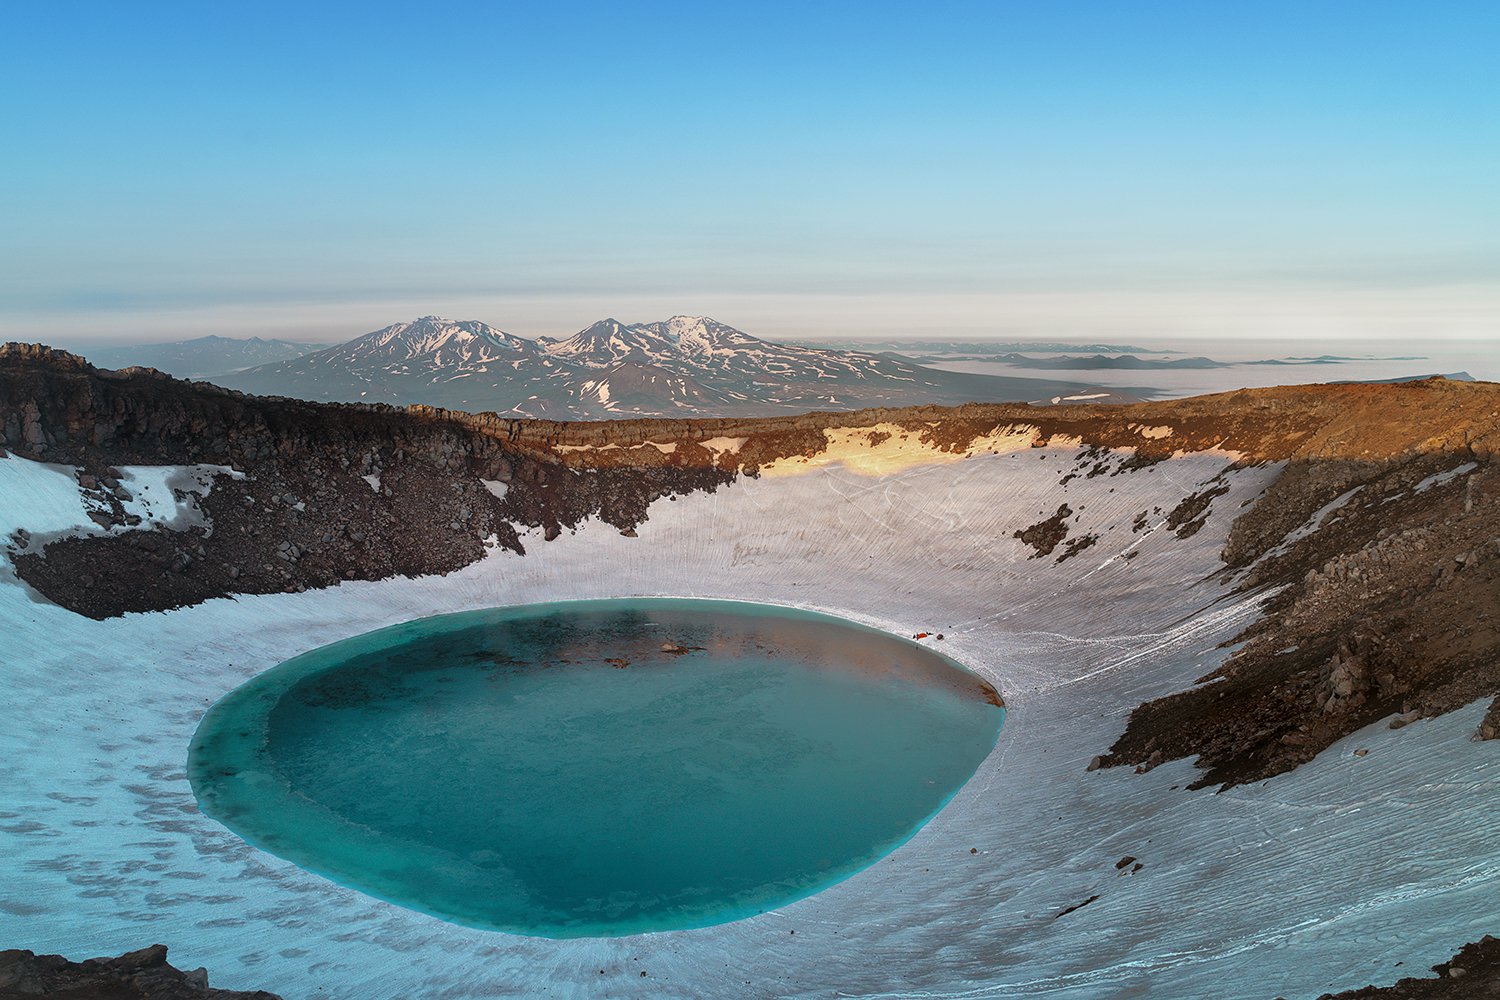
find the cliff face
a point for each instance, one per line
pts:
(1378, 548)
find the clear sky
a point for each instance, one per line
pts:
(1039, 168)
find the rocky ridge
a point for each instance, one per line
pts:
(136, 975)
(1472, 974)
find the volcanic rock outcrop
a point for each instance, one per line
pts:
(1472, 974)
(136, 975)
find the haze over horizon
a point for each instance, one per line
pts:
(1071, 171)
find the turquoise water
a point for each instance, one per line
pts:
(550, 770)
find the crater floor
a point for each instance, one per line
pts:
(1311, 881)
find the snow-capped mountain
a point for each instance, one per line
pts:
(752, 375)
(609, 342)
(456, 363)
(683, 366)
(700, 346)
(432, 343)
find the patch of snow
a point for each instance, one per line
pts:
(1312, 524)
(724, 445)
(900, 449)
(373, 480)
(47, 500)
(166, 496)
(496, 487)
(41, 497)
(1443, 478)
(666, 449)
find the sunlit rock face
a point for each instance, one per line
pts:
(1078, 618)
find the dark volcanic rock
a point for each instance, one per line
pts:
(1489, 726)
(1190, 515)
(136, 975)
(1390, 606)
(1472, 974)
(1045, 535)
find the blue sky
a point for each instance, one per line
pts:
(1047, 169)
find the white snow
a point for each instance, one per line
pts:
(1314, 881)
(1443, 478)
(1312, 524)
(47, 500)
(373, 480)
(666, 448)
(41, 497)
(496, 487)
(166, 495)
(724, 445)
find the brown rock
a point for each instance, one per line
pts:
(136, 975)
(1489, 726)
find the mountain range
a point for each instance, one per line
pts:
(683, 366)
(981, 347)
(203, 357)
(1101, 362)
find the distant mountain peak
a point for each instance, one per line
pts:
(433, 344)
(428, 334)
(694, 333)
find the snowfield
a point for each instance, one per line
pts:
(1317, 880)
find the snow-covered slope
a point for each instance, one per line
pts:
(635, 388)
(1320, 879)
(430, 342)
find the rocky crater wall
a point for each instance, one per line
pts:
(1378, 547)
